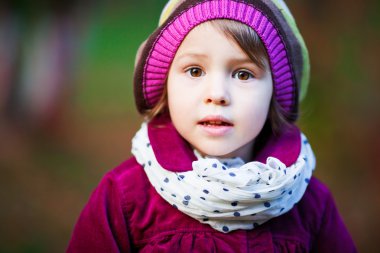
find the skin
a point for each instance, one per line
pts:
(218, 98)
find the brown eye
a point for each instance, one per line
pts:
(243, 75)
(195, 72)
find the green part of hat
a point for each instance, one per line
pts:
(305, 53)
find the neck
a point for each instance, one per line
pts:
(245, 153)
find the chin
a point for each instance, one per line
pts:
(215, 152)
(223, 150)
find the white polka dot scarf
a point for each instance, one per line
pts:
(228, 194)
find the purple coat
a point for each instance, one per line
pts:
(126, 214)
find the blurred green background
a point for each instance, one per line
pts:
(53, 154)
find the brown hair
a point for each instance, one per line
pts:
(250, 43)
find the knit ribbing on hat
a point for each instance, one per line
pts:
(170, 37)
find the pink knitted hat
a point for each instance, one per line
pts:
(272, 21)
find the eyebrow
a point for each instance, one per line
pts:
(242, 60)
(191, 55)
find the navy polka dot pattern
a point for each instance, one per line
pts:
(229, 194)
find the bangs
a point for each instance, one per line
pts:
(246, 38)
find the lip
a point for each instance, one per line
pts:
(215, 125)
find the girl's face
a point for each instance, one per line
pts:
(218, 98)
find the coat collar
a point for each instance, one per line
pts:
(174, 154)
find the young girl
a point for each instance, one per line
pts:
(218, 165)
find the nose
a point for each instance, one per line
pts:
(217, 92)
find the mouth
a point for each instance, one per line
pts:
(215, 121)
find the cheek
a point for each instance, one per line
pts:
(172, 91)
(254, 102)
(179, 109)
(181, 93)
(179, 98)
(254, 109)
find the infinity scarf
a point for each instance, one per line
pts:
(228, 194)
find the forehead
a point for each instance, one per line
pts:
(207, 39)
